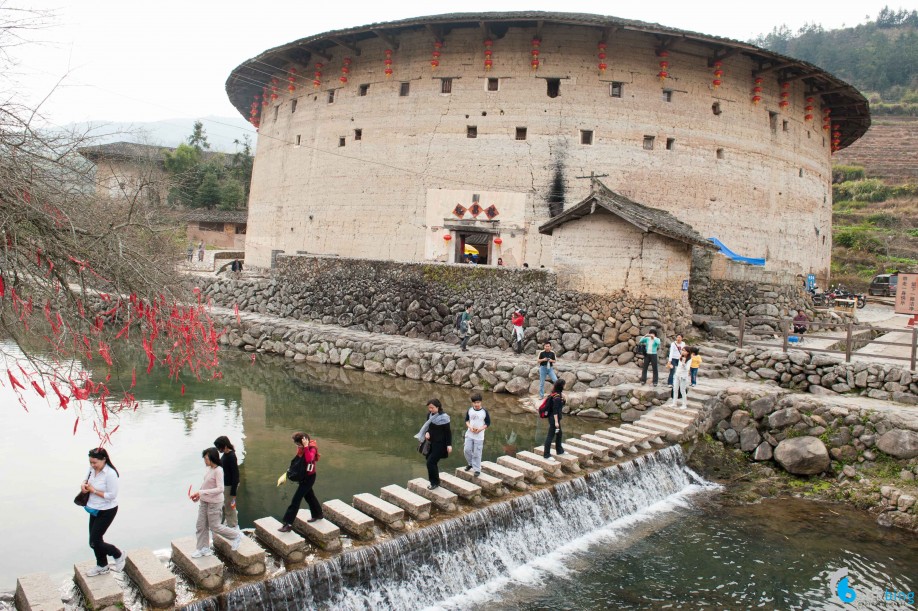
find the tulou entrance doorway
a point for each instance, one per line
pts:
(474, 248)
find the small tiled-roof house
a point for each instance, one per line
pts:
(222, 229)
(608, 243)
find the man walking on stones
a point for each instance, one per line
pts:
(464, 325)
(546, 368)
(518, 318)
(477, 420)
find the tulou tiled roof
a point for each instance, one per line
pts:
(240, 217)
(645, 218)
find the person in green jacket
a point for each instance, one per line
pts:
(651, 345)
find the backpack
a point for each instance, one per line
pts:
(543, 409)
(297, 470)
(458, 320)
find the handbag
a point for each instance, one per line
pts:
(424, 447)
(82, 498)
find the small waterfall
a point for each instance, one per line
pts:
(432, 565)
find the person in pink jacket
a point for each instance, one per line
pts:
(210, 499)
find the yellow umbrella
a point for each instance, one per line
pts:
(470, 250)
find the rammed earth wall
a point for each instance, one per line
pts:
(422, 300)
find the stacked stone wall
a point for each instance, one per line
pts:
(422, 300)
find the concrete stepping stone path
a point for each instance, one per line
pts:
(350, 520)
(102, 592)
(532, 473)
(151, 577)
(489, 484)
(442, 498)
(289, 546)
(414, 504)
(205, 572)
(36, 592)
(321, 533)
(391, 515)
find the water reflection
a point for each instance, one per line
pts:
(364, 424)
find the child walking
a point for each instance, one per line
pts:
(696, 363)
(477, 420)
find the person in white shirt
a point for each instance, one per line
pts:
(675, 352)
(102, 485)
(680, 372)
(477, 420)
(210, 496)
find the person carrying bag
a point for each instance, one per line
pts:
(302, 470)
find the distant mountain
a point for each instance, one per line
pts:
(221, 131)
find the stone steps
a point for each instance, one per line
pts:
(414, 505)
(350, 520)
(36, 592)
(390, 515)
(509, 477)
(599, 452)
(585, 457)
(569, 463)
(466, 491)
(442, 499)
(289, 546)
(613, 444)
(102, 592)
(532, 473)
(653, 436)
(490, 485)
(625, 438)
(153, 580)
(206, 572)
(551, 467)
(321, 533)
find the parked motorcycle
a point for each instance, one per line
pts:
(820, 300)
(840, 292)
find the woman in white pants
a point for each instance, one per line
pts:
(210, 504)
(681, 377)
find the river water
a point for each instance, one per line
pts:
(677, 548)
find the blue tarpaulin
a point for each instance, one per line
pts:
(732, 255)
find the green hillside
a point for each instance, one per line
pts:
(879, 57)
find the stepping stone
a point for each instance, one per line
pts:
(387, 513)
(584, 456)
(612, 444)
(36, 592)
(532, 473)
(321, 533)
(510, 477)
(600, 452)
(552, 467)
(490, 485)
(440, 497)
(206, 572)
(632, 438)
(569, 462)
(153, 579)
(465, 490)
(102, 592)
(289, 545)
(249, 559)
(681, 415)
(348, 519)
(669, 418)
(414, 505)
(654, 436)
(667, 427)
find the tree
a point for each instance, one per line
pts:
(198, 139)
(232, 195)
(83, 278)
(208, 193)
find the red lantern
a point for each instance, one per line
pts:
(317, 81)
(388, 62)
(534, 63)
(536, 42)
(756, 99)
(447, 237)
(717, 83)
(603, 66)
(488, 62)
(534, 52)
(436, 55)
(388, 72)
(498, 241)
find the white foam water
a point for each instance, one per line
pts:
(470, 559)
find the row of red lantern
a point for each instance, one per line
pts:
(448, 236)
(601, 55)
(388, 62)
(435, 61)
(488, 62)
(535, 52)
(664, 65)
(718, 74)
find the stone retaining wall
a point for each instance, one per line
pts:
(422, 300)
(807, 437)
(591, 391)
(825, 374)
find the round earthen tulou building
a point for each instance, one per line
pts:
(609, 151)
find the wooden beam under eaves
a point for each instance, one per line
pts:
(435, 32)
(343, 43)
(485, 29)
(828, 91)
(791, 79)
(539, 25)
(389, 40)
(721, 55)
(772, 68)
(316, 53)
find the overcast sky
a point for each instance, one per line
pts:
(141, 61)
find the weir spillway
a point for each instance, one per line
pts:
(476, 552)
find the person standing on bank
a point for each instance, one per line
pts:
(477, 420)
(464, 324)
(546, 368)
(102, 485)
(518, 318)
(309, 451)
(651, 345)
(210, 502)
(675, 353)
(230, 479)
(436, 430)
(680, 372)
(555, 407)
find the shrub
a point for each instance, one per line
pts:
(870, 190)
(883, 219)
(846, 173)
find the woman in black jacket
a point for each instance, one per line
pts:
(436, 430)
(555, 405)
(230, 479)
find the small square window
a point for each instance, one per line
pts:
(331, 96)
(809, 134)
(520, 133)
(341, 141)
(785, 125)
(292, 106)
(667, 95)
(586, 136)
(297, 139)
(616, 89)
(715, 108)
(471, 131)
(403, 89)
(358, 134)
(773, 121)
(446, 85)
(670, 144)
(720, 153)
(553, 87)
(362, 90)
(648, 143)
(493, 84)
(800, 173)
(276, 108)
